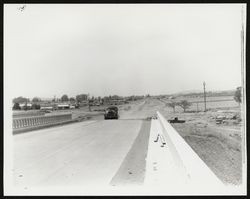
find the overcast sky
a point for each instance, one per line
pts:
(120, 49)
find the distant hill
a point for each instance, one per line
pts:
(188, 92)
(46, 99)
(208, 93)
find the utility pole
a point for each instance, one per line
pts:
(89, 102)
(26, 102)
(204, 87)
(54, 104)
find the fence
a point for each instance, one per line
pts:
(36, 121)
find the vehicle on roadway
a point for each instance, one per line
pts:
(111, 113)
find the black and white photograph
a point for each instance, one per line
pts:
(124, 99)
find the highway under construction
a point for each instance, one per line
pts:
(140, 150)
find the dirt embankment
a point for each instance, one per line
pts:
(218, 145)
(218, 148)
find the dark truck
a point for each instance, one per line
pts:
(176, 120)
(111, 113)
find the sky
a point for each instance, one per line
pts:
(129, 49)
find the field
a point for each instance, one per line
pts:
(211, 103)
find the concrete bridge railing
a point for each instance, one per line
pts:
(192, 167)
(20, 123)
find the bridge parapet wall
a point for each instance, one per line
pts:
(38, 121)
(194, 170)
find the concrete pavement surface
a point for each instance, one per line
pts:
(83, 153)
(97, 152)
(132, 170)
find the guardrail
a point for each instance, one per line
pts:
(38, 121)
(192, 168)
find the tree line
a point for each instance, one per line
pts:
(36, 101)
(184, 104)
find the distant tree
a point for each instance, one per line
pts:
(25, 107)
(115, 97)
(36, 106)
(20, 100)
(105, 99)
(184, 104)
(64, 98)
(16, 106)
(72, 99)
(81, 97)
(36, 99)
(172, 105)
(237, 95)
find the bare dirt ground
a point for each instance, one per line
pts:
(218, 145)
(220, 151)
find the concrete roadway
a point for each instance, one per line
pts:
(95, 152)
